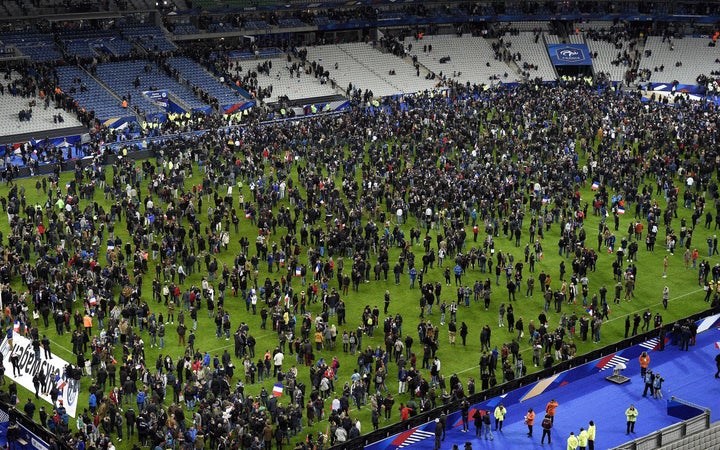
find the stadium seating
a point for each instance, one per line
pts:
(42, 119)
(97, 98)
(349, 71)
(469, 56)
(221, 27)
(534, 53)
(368, 68)
(571, 39)
(80, 48)
(694, 53)
(256, 25)
(291, 22)
(185, 28)
(531, 25)
(36, 46)
(709, 438)
(306, 86)
(198, 76)
(149, 37)
(118, 46)
(120, 77)
(606, 55)
(404, 78)
(321, 21)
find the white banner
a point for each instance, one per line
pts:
(29, 366)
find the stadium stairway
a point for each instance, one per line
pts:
(179, 101)
(545, 45)
(198, 75)
(338, 88)
(511, 64)
(99, 97)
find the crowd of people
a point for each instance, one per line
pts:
(330, 200)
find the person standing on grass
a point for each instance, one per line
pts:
(631, 415)
(636, 324)
(665, 297)
(627, 326)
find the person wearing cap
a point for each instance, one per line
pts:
(657, 386)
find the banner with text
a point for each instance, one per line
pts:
(569, 54)
(160, 98)
(53, 368)
(163, 99)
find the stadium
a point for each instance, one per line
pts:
(404, 222)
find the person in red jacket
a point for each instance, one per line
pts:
(530, 421)
(550, 409)
(404, 412)
(644, 360)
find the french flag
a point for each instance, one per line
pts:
(595, 186)
(621, 210)
(545, 200)
(277, 389)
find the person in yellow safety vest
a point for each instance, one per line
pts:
(499, 415)
(582, 439)
(591, 436)
(631, 414)
(572, 441)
